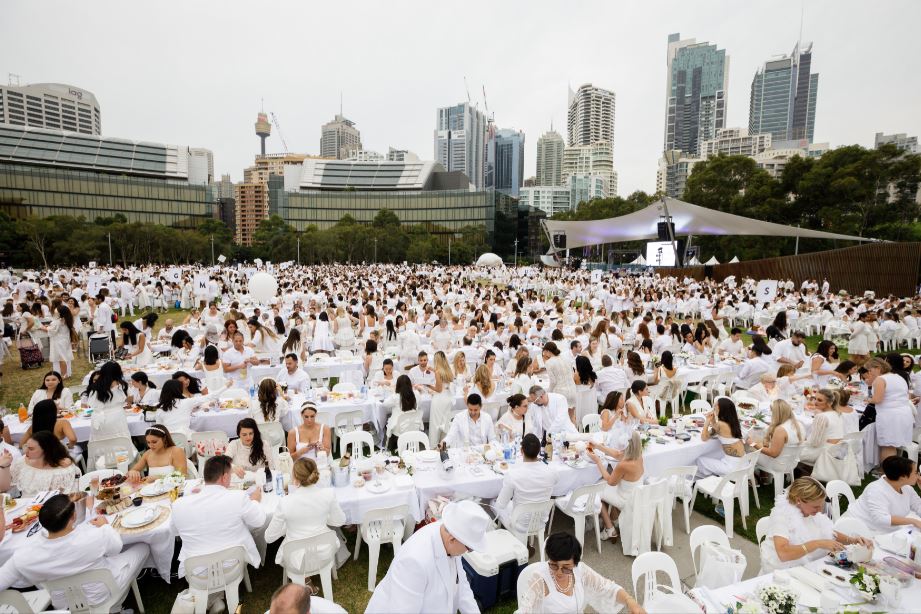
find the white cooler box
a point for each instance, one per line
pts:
(493, 574)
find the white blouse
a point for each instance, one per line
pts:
(786, 520)
(32, 481)
(590, 588)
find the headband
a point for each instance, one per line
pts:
(158, 429)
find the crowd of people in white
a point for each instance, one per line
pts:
(532, 354)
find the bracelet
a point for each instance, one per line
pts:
(805, 549)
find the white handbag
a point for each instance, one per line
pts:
(719, 566)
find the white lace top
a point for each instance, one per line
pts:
(31, 480)
(787, 521)
(591, 588)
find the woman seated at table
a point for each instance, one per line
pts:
(564, 585)
(483, 384)
(136, 343)
(308, 510)
(517, 421)
(143, 391)
(385, 378)
(666, 377)
(174, 410)
(162, 456)
(373, 359)
(263, 340)
(822, 363)
(310, 436)
(210, 364)
(849, 415)
(522, 379)
(191, 386)
(44, 465)
(784, 429)
(754, 367)
(272, 403)
(459, 367)
(188, 353)
(827, 427)
(52, 389)
(616, 424)
(248, 451)
(627, 475)
(45, 418)
(799, 531)
(489, 359)
(885, 505)
(722, 423)
(106, 393)
(634, 368)
(636, 405)
(403, 399)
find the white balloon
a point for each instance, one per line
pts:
(263, 287)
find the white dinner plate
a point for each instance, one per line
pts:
(156, 489)
(428, 456)
(378, 486)
(139, 517)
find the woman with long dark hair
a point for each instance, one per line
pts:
(137, 344)
(145, 391)
(44, 465)
(162, 456)
(272, 404)
(52, 389)
(822, 363)
(248, 451)
(403, 399)
(45, 418)
(106, 394)
(175, 409)
(61, 337)
(191, 385)
(722, 423)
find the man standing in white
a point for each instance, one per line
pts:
(529, 482)
(102, 316)
(426, 575)
(217, 517)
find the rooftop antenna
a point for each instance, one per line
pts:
(340, 103)
(13, 79)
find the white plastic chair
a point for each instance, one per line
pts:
(854, 527)
(112, 445)
(582, 503)
(591, 423)
(181, 441)
(491, 408)
(725, 489)
(345, 387)
(647, 566)
(77, 600)
(223, 571)
(29, 602)
(273, 434)
(534, 517)
(835, 489)
(700, 406)
(706, 533)
(644, 517)
(206, 438)
(412, 441)
(680, 486)
(378, 527)
(348, 421)
(586, 402)
(751, 460)
(407, 421)
(357, 440)
(761, 529)
(782, 466)
(311, 556)
(345, 353)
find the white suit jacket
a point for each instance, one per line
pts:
(215, 519)
(423, 578)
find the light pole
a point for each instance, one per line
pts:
(110, 248)
(298, 251)
(212, 250)
(516, 252)
(375, 250)
(449, 251)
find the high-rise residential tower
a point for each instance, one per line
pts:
(460, 141)
(697, 81)
(53, 106)
(591, 116)
(783, 97)
(339, 137)
(508, 147)
(550, 147)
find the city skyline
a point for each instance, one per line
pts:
(207, 90)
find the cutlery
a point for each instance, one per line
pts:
(34, 529)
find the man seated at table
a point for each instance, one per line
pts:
(217, 517)
(166, 333)
(732, 346)
(551, 411)
(237, 358)
(527, 482)
(422, 376)
(610, 377)
(791, 351)
(69, 549)
(292, 376)
(471, 427)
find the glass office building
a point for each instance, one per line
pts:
(783, 97)
(45, 173)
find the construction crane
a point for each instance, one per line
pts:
(468, 89)
(280, 135)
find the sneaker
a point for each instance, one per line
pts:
(720, 510)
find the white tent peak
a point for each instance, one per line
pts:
(712, 261)
(734, 259)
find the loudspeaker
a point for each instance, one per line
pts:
(559, 240)
(663, 230)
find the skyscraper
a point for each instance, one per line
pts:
(783, 97)
(696, 90)
(338, 138)
(550, 158)
(54, 106)
(591, 116)
(595, 159)
(508, 147)
(460, 141)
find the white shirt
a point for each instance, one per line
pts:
(793, 353)
(297, 382)
(417, 376)
(528, 482)
(730, 347)
(465, 431)
(879, 502)
(214, 519)
(232, 357)
(554, 416)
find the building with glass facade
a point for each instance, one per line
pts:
(783, 97)
(696, 88)
(508, 150)
(550, 158)
(44, 173)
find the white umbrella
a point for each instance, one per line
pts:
(712, 261)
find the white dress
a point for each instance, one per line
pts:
(821, 381)
(560, 374)
(787, 521)
(108, 419)
(719, 465)
(894, 415)
(440, 411)
(146, 356)
(322, 341)
(214, 379)
(789, 426)
(621, 494)
(60, 349)
(345, 336)
(31, 480)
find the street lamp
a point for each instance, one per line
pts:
(516, 252)
(298, 251)
(375, 250)
(212, 250)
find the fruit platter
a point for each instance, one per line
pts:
(235, 404)
(26, 519)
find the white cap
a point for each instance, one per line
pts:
(468, 523)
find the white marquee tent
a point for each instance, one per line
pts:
(688, 219)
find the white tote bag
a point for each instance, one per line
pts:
(719, 566)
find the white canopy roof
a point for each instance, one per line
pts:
(639, 260)
(688, 219)
(712, 261)
(734, 259)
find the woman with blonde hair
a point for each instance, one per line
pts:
(344, 334)
(308, 510)
(621, 483)
(784, 429)
(483, 383)
(828, 426)
(459, 366)
(799, 531)
(894, 414)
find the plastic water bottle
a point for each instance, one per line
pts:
(252, 389)
(364, 391)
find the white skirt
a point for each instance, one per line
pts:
(894, 426)
(716, 465)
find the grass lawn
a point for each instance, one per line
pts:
(350, 590)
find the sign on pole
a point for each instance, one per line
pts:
(767, 290)
(174, 275)
(201, 285)
(596, 276)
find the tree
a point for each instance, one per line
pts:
(385, 218)
(39, 234)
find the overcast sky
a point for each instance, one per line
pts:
(194, 72)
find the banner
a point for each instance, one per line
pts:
(596, 276)
(92, 264)
(93, 283)
(222, 258)
(200, 285)
(767, 290)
